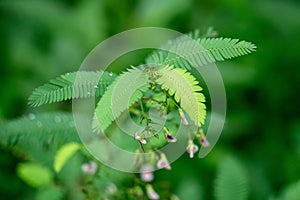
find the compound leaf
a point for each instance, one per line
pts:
(232, 182)
(81, 84)
(184, 86)
(127, 89)
(184, 52)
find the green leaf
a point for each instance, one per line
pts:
(184, 86)
(232, 182)
(127, 89)
(65, 88)
(64, 154)
(34, 174)
(200, 51)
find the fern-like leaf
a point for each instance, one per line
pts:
(232, 182)
(37, 137)
(186, 91)
(121, 94)
(64, 87)
(200, 51)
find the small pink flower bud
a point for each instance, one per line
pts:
(182, 117)
(163, 162)
(89, 168)
(143, 141)
(168, 136)
(192, 148)
(140, 138)
(151, 192)
(147, 173)
(202, 138)
(204, 142)
(137, 137)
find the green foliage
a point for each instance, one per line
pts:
(73, 85)
(34, 174)
(184, 86)
(120, 95)
(64, 154)
(168, 86)
(291, 192)
(50, 193)
(39, 136)
(200, 52)
(232, 182)
(41, 39)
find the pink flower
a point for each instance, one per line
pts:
(202, 138)
(151, 192)
(89, 168)
(182, 117)
(168, 136)
(147, 173)
(163, 162)
(204, 142)
(192, 148)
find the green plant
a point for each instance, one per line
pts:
(290, 192)
(166, 82)
(232, 182)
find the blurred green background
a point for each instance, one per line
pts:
(43, 39)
